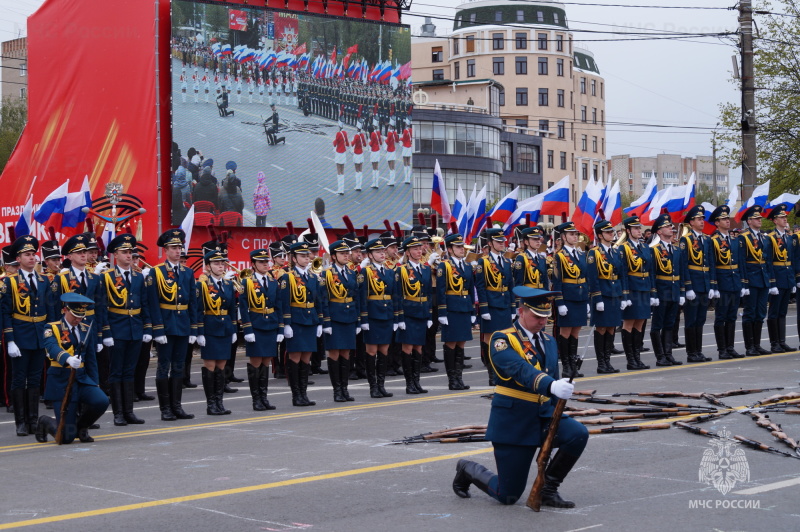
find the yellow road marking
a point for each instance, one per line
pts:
(236, 491)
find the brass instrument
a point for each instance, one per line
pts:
(317, 265)
(137, 268)
(621, 240)
(656, 241)
(241, 275)
(685, 230)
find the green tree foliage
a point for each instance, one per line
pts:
(13, 115)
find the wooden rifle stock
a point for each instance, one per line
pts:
(59, 436)
(535, 496)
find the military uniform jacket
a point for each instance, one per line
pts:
(127, 309)
(455, 287)
(342, 293)
(380, 294)
(264, 308)
(757, 255)
(24, 314)
(783, 253)
(530, 269)
(306, 303)
(698, 255)
(60, 344)
(521, 399)
(669, 270)
(494, 280)
(569, 276)
(637, 262)
(416, 290)
(604, 272)
(216, 307)
(727, 262)
(173, 305)
(69, 282)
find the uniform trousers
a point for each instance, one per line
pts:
(695, 311)
(779, 304)
(171, 357)
(124, 356)
(26, 370)
(755, 305)
(725, 307)
(664, 315)
(93, 404)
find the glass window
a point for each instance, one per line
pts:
(594, 87)
(521, 122)
(498, 66)
(542, 66)
(527, 159)
(563, 160)
(583, 85)
(472, 18)
(470, 43)
(585, 171)
(594, 144)
(505, 156)
(555, 18)
(594, 115)
(494, 100)
(601, 91)
(470, 68)
(521, 65)
(437, 54)
(560, 97)
(542, 37)
(550, 157)
(559, 43)
(584, 142)
(561, 129)
(544, 97)
(457, 70)
(522, 96)
(522, 41)
(559, 67)
(498, 40)
(544, 125)
(520, 15)
(583, 113)
(438, 74)
(501, 97)
(23, 70)
(456, 45)
(602, 117)
(498, 16)
(539, 16)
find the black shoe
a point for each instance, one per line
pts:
(426, 368)
(83, 436)
(20, 418)
(46, 425)
(219, 390)
(162, 388)
(234, 378)
(144, 397)
(188, 384)
(175, 393)
(468, 473)
(556, 472)
(209, 383)
(116, 404)
(127, 405)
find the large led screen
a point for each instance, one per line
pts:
(276, 114)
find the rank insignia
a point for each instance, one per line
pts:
(149, 281)
(439, 273)
(590, 258)
(360, 278)
(478, 269)
(283, 284)
(517, 265)
(2, 288)
(53, 287)
(321, 281)
(48, 333)
(500, 344)
(683, 244)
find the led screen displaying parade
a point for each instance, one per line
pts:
(277, 114)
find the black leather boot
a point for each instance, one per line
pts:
(658, 349)
(209, 388)
(305, 369)
(20, 416)
(220, 378)
(162, 390)
(46, 425)
(33, 395)
(380, 374)
(416, 366)
(370, 363)
(698, 342)
(573, 354)
(116, 404)
(449, 355)
(782, 335)
(187, 368)
(599, 352)
(255, 394)
(757, 326)
(344, 376)
(609, 349)
(666, 343)
(459, 367)
(293, 375)
(175, 393)
(487, 363)
(730, 339)
(127, 405)
(638, 341)
(468, 473)
(640, 348)
(627, 345)
(747, 331)
(564, 355)
(263, 386)
(719, 337)
(772, 330)
(333, 373)
(227, 371)
(613, 350)
(554, 475)
(688, 332)
(408, 373)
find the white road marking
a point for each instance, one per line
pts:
(202, 134)
(235, 149)
(769, 487)
(278, 167)
(331, 191)
(584, 528)
(326, 157)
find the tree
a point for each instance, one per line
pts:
(777, 113)
(13, 115)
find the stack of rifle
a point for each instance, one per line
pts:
(463, 434)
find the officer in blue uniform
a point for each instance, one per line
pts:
(308, 320)
(528, 386)
(569, 280)
(728, 264)
(343, 303)
(456, 290)
(262, 306)
(128, 325)
(71, 346)
(171, 295)
(381, 314)
(216, 303)
(416, 292)
(700, 281)
(668, 274)
(758, 279)
(24, 302)
(783, 253)
(494, 280)
(530, 268)
(637, 262)
(604, 272)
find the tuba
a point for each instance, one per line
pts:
(316, 265)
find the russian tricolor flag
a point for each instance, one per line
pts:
(759, 197)
(642, 204)
(612, 204)
(788, 199)
(25, 222)
(52, 208)
(72, 221)
(439, 201)
(226, 49)
(459, 207)
(587, 206)
(504, 208)
(528, 207)
(478, 214)
(555, 200)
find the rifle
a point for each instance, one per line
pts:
(794, 411)
(662, 394)
(633, 402)
(534, 501)
(778, 398)
(749, 443)
(59, 436)
(637, 410)
(700, 418)
(628, 428)
(714, 401)
(584, 392)
(611, 419)
(446, 433)
(740, 391)
(775, 429)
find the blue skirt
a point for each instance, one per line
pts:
(458, 328)
(611, 315)
(304, 339)
(576, 314)
(416, 330)
(379, 333)
(343, 336)
(640, 309)
(266, 344)
(501, 319)
(216, 348)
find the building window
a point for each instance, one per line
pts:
(594, 144)
(594, 115)
(494, 104)
(498, 66)
(550, 158)
(505, 156)
(437, 54)
(522, 96)
(521, 122)
(583, 113)
(559, 43)
(583, 85)
(542, 37)
(560, 97)
(472, 18)
(594, 87)
(555, 18)
(470, 68)
(520, 15)
(501, 97)
(585, 171)
(23, 69)
(602, 97)
(457, 70)
(584, 142)
(544, 127)
(498, 41)
(562, 158)
(603, 146)
(456, 46)
(498, 16)
(457, 139)
(527, 159)
(470, 43)
(602, 117)
(561, 127)
(542, 66)
(560, 67)
(521, 65)
(438, 74)
(539, 16)
(23, 92)
(522, 41)
(543, 97)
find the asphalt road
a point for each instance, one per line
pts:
(332, 467)
(298, 172)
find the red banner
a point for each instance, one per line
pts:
(237, 20)
(287, 26)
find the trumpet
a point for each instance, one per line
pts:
(137, 268)
(241, 275)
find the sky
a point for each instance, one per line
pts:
(663, 82)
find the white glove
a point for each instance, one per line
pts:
(401, 326)
(100, 267)
(562, 310)
(358, 330)
(658, 302)
(486, 316)
(798, 285)
(681, 301)
(99, 347)
(365, 326)
(473, 319)
(74, 362)
(773, 291)
(160, 340)
(588, 309)
(147, 338)
(192, 339)
(512, 247)
(562, 389)
(230, 274)
(652, 302)
(108, 342)
(63, 271)
(395, 326)
(715, 294)
(623, 305)
(145, 271)
(433, 258)
(365, 263)
(250, 338)
(443, 320)
(327, 330)
(747, 291)
(429, 324)
(600, 306)
(743, 292)
(690, 295)
(13, 350)
(279, 339)
(794, 289)
(201, 341)
(234, 337)
(628, 303)
(513, 316)
(319, 331)
(287, 331)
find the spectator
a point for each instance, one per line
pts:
(206, 188)
(261, 202)
(231, 177)
(181, 185)
(230, 199)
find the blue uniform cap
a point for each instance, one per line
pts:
(173, 237)
(376, 244)
(231, 165)
(121, 242)
(214, 255)
(632, 221)
(454, 239)
(496, 234)
(300, 247)
(259, 254)
(603, 225)
(753, 212)
(75, 244)
(781, 209)
(532, 232)
(76, 303)
(567, 227)
(662, 221)
(720, 213)
(539, 301)
(23, 244)
(698, 211)
(412, 242)
(340, 246)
